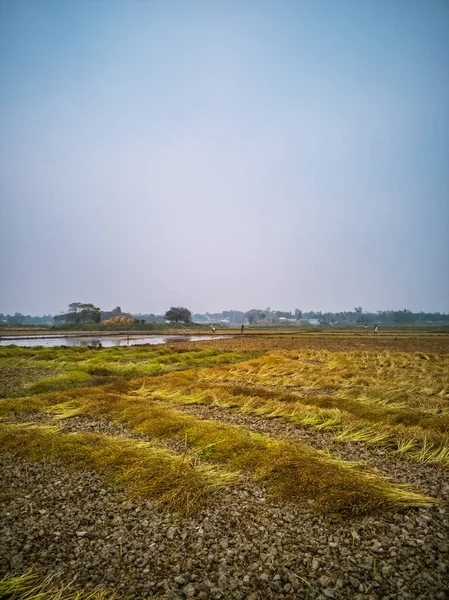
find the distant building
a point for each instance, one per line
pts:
(314, 321)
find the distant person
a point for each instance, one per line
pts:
(242, 328)
(375, 329)
(366, 328)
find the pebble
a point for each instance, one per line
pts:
(237, 547)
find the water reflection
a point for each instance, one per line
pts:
(103, 342)
(94, 345)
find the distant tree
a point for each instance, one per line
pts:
(74, 312)
(178, 314)
(251, 316)
(298, 314)
(91, 313)
(17, 319)
(80, 312)
(329, 318)
(359, 313)
(403, 316)
(254, 315)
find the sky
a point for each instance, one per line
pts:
(224, 154)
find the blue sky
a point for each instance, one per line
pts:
(222, 155)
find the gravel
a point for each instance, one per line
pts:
(428, 478)
(13, 379)
(242, 545)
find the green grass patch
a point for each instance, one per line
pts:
(70, 367)
(58, 382)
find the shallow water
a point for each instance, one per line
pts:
(105, 341)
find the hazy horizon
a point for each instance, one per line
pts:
(232, 154)
(262, 307)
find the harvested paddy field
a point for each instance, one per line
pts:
(274, 466)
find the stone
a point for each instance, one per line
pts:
(189, 591)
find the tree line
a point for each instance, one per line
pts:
(80, 313)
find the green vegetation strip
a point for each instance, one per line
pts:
(291, 470)
(142, 469)
(32, 586)
(73, 367)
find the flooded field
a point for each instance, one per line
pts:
(49, 341)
